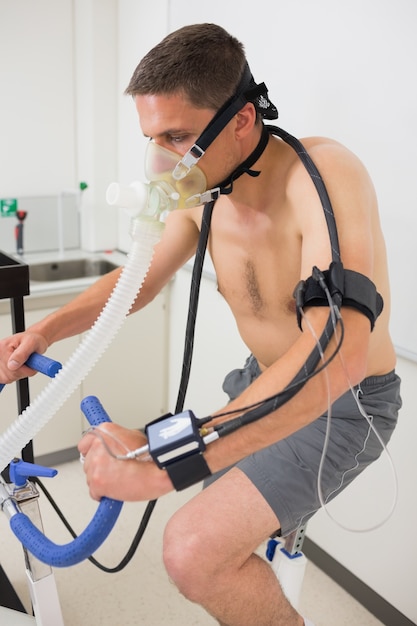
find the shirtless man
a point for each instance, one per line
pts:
(266, 236)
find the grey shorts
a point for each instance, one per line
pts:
(286, 472)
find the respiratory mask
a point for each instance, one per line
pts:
(163, 193)
(177, 182)
(160, 166)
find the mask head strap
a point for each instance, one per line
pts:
(226, 186)
(247, 91)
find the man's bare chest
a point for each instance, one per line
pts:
(254, 289)
(257, 276)
(257, 258)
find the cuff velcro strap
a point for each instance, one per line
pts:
(188, 471)
(355, 289)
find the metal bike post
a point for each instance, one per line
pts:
(14, 284)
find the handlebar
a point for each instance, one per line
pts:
(42, 364)
(92, 537)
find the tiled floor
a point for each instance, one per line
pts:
(142, 594)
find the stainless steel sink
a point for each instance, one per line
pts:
(70, 269)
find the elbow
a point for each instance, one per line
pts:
(357, 369)
(355, 351)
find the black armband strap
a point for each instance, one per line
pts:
(354, 289)
(175, 444)
(188, 471)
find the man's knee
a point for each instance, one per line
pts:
(185, 557)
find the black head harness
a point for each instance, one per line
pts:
(247, 91)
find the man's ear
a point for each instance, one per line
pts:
(245, 120)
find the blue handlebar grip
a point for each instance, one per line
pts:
(77, 550)
(42, 364)
(93, 536)
(94, 411)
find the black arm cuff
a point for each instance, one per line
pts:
(356, 291)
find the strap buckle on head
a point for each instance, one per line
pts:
(188, 161)
(258, 95)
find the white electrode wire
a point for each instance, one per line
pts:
(141, 454)
(385, 450)
(372, 427)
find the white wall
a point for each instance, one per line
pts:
(57, 106)
(140, 26)
(95, 77)
(37, 113)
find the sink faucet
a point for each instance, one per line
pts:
(21, 215)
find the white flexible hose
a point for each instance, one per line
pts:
(49, 401)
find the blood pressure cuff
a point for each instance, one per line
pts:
(353, 290)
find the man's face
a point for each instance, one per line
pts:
(173, 123)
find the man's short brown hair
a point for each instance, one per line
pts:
(202, 61)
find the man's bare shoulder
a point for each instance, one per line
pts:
(329, 153)
(180, 236)
(189, 219)
(337, 164)
(317, 141)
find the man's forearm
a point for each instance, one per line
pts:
(78, 315)
(304, 407)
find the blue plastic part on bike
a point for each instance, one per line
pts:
(94, 411)
(42, 364)
(20, 471)
(271, 548)
(77, 550)
(93, 536)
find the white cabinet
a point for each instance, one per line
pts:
(130, 379)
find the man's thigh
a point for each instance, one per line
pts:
(231, 517)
